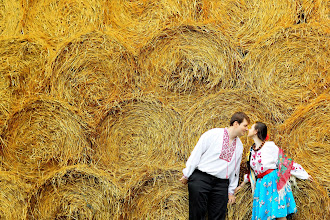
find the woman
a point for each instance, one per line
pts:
(271, 169)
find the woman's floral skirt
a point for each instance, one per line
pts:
(266, 201)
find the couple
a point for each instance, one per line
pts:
(212, 173)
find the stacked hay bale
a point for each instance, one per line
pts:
(76, 192)
(137, 132)
(55, 21)
(90, 72)
(141, 19)
(292, 61)
(11, 14)
(103, 100)
(22, 64)
(189, 58)
(42, 135)
(156, 194)
(4, 102)
(13, 196)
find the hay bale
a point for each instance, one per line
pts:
(189, 58)
(227, 15)
(76, 192)
(11, 14)
(262, 19)
(91, 71)
(310, 11)
(242, 208)
(4, 102)
(22, 64)
(156, 193)
(312, 201)
(215, 110)
(305, 135)
(288, 68)
(42, 135)
(59, 20)
(139, 131)
(13, 196)
(140, 19)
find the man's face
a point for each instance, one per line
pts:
(241, 128)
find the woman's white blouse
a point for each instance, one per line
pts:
(267, 158)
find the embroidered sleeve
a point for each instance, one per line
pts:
(298, 171)
(233, 178)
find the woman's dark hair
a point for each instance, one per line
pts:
(262, 130)
(239, 117)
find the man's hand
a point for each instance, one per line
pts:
(184, 180)
(310, 178)
(231, 199)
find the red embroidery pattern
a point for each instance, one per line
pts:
(227, 151)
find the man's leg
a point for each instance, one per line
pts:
(198, 187)
(218, 200)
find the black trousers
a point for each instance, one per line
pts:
(207, 195)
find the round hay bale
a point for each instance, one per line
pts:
(242, 208)
(90, 72)
(22, 64)
(305, 136)
(141, 18)
(189, 58)
(13, 196)
(157, 194)
(310, 11)
(226, 14)
(139, 132)
(43, 135)
(260, 19)
(215, 110)
(312, 201)
(59, 20)
(288, 68)
(4, 102)
(76, 192)
(11, 14)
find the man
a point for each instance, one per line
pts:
(212, 170)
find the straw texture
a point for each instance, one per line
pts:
(141, 131)
(11, 14)
(58, 20)
(102, 101)
(75, 192)
(43, 135)
(91, 71)
(189, 58)
(22, 64)
(13, 196)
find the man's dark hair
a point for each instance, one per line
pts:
(239, 117)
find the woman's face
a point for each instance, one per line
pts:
(252, 131)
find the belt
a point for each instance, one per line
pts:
(259, 176)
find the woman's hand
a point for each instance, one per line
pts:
(239, 187)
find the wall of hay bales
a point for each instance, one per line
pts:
(102, 101)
